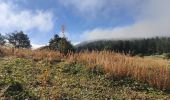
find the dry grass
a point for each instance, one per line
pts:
(31, 54)
(155, 72)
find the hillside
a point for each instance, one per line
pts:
(140, 46)
(26, 74)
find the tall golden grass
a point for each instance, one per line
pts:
(31, 54)
(155, 72)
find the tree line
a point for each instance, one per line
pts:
(148, 46)
(21, 40)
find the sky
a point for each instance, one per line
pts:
(85, 20)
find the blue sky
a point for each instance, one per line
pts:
(85, 19)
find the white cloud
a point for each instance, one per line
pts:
(14, 18)
(98, 8)
(84, 6)
(36, 46)
(153, 19)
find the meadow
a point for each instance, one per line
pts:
(44, 75)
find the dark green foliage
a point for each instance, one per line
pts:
(73, 68)
(53, 43)
(60, 44)
(166, 55)
(19, 40)
(14, 89)
(2, 39)
(142, 47)
(2, 53)
(17, 92)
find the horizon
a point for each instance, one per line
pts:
(89, 20)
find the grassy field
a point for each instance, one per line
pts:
(44, 75)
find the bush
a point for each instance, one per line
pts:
(166, 55)
(140, 55)
(17, 92)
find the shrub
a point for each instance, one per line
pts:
(16, 91)
(166, 55)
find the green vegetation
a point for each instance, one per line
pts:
(19, 40)
(166, 55)
(29, 79)
(2, 39)
(150, 46)
(60, 44)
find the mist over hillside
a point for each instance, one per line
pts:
(146, 46)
